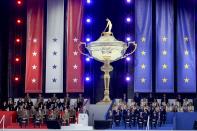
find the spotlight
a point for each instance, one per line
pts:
(128, 1)
(128, 58)
(88, 39)
(128, 78)
(87, 78)
(17, 59)
(19, 2)
(128, 38)
(88, 1)
(128, 19)
(88, 59)
(18, 40)
(16, 78)
(88, 20)
(18, 21)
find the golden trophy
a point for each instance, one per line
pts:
(107, 50)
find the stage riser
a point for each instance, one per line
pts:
(97, 112)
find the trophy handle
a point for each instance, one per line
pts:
(81, 52)
(131, 42)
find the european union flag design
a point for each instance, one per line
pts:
(186, 65)
(143, 54)
(164, 46)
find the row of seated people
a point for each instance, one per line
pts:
(180, 105)
(27, 102)
(52, 109)
(136, 115)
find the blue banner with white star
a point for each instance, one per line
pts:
(164, 46)
(186, 66)
(143, 54)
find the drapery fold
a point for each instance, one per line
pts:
(34, 47)
(143, 54)
(74, 67)
(54, 46)
(186, 55)
(164, 46)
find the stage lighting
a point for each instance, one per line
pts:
(88, 39)
(128, 19)
(19, 2)
(128, 78)
(87, 78)
(88, 59)
(18, 21)
(88, 1)
(128, 38)
(16, 78)
(128, 58)
(128, 1)
(17, 59)
(18, 40)
(88, 20)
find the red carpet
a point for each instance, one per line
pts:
(30, 126)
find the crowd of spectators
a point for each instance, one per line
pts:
(41, 111)
(137, 111)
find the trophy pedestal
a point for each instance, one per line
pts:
(106, 68)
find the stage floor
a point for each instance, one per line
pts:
(67, 130)
(76, 127)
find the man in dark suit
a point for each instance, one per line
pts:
(179, 99)
(164, 99)
(150, 99)
(195, 104)
(124, 99)
(137, 99)
(67, 101)
(80, 101)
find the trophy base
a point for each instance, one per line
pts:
(105, 101)
(106, 34)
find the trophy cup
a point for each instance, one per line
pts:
(107, 50)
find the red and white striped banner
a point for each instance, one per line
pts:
(34, 48)
(74, 70)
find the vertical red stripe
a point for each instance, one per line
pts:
(74, 82)
(34, 48)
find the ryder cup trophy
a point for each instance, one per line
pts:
(107, 50)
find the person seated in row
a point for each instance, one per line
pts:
(72, 115)
(54, 98)
(137, 99)
(23, 116)
(179, 99)
(39, 116)
(52, 115)
(39, 101)
(164, 99)
(67, 101)
(150, 99)
(65, 117)
(80, 101)
(27, 98)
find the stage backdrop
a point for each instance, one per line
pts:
(63, 34)
(74, 68)
(186, 65)
(143, 54)
(54, 46)
(34, 47)
(164, 46)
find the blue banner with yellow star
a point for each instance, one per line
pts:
(164, 46)
(186, 66)
(143, 54)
